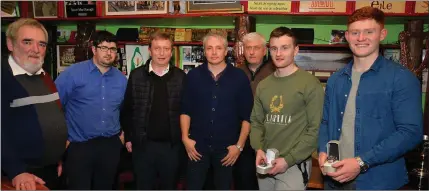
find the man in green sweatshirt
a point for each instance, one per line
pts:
(286, 116)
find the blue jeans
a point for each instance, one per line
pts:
(197, 171)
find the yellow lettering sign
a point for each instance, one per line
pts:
(269, 6)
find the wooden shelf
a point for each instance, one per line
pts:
(146, 43)
(307, 46)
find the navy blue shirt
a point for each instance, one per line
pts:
(216, 108)
(91, 100)
(388, 120)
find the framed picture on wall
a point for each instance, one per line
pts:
(9, 9)
(136, 56)
(136, 7)
(322, 60)
(45, 9)
(65, 57)
(214, 6)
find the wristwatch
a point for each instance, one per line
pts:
(363, 166)
(239, 147)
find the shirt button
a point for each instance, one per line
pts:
(102, 121)
(339, 130)
(217, 84)
(104, 109)
(211, 121)
(102, 98)
(214, 97)
(102, 86)
(342, 113)
(345, 95)
(213, 109)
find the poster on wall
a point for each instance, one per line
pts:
(136, 56)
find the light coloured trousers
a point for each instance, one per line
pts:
(292, 179)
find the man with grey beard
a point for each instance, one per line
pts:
(91, 93)
(34, 131)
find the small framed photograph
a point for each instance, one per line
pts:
(9, 9)
(136, 7)
(337, 37)
(65, 57)
(45, 9)
(392, 54)
(214, 6)
(177, 7)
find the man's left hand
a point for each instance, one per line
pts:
(231, 157)
(60, 168)
(347, 170)
(279, 166)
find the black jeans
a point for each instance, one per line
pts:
(156, 162)
(244, 170)
(93, 164)
(197, 171)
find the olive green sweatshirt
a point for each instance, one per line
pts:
(286, 115)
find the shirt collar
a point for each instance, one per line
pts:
(18, 70)
(165, 71)
(93, 67)
(375, 66)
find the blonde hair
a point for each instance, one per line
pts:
(217, 35)
(13, 28)
(254, 36)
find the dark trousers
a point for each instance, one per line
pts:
(93, 164)
(156, 162)
(244, 171)
(331, 184)
(197, 171)
(48, 174)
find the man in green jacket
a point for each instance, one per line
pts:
(286, 115)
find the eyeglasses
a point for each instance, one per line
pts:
(105, 48)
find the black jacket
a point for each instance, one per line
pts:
(138, 98)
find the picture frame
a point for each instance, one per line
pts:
(323, 60)
(65, 57)
(10, 9)
(80, 9)
(177, 7)
(214, 6)
(135, 7)
(45, 9)
(136, 56)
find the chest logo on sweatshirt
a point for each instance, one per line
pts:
(276, 108)
(276, 117)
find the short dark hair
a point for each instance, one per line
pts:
(283, 31)
(367, 12)
(159, 35)
(103, 36)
